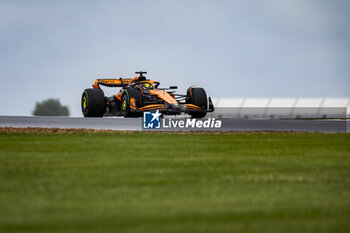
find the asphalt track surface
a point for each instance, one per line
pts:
(119, 123)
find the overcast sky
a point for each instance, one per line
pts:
(55, 49)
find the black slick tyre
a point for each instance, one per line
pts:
(93, 102)
(129, 93)
(197, 96)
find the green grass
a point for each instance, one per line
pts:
(158, 182)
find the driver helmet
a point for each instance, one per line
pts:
(146, 85)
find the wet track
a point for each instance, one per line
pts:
(118, 123)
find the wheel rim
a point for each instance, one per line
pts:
(124, 103)
(84, 103)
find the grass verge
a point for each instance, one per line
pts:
(165, 182)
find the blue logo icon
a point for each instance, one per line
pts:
(151, 120)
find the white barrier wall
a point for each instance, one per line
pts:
(281, 107)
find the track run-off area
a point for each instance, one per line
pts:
(120, 123)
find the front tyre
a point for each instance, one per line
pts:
(125, 103)
(93, 103)
(197, 96)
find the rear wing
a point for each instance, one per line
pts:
(121, 82)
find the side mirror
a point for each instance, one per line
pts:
(173, 87)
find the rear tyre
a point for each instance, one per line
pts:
(128, 94)
(93, 103)
(198, 97)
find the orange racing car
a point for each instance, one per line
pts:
(140, 94)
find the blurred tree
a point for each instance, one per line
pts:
(50, 107)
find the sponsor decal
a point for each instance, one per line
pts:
(153, 120)
(108, 81)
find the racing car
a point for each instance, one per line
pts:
(140, 94)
